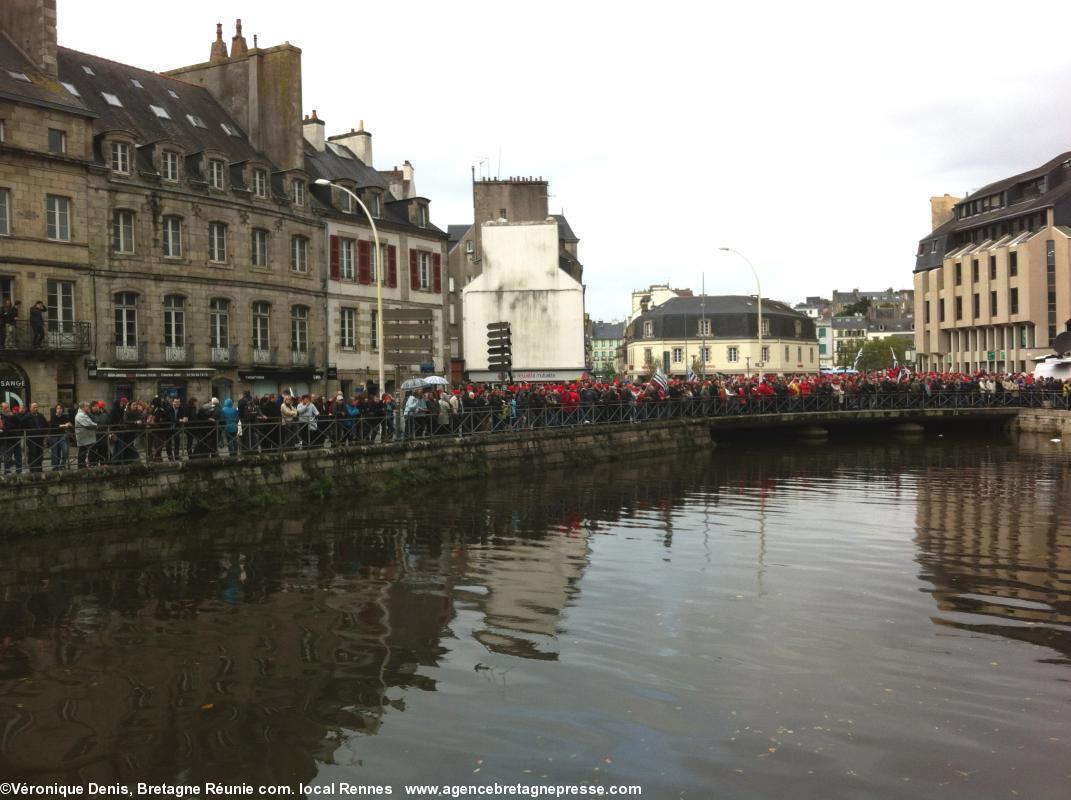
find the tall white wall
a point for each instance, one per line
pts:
(522, 284)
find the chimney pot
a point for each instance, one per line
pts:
(219, 49)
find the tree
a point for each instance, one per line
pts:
(861, 306)
(878, 353)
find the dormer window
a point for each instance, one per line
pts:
(346, 202)
(297, 189)
(704, 327)
(112, 99)
(169, 165)
(215, 173)
(120, 158)
(648, 329)
(260, 183)
(372, 201)
(422, 216)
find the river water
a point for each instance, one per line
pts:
(879, 618)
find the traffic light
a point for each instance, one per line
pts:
(499, 346)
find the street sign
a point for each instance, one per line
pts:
(499, 346)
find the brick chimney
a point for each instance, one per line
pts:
(359, 141)
(313, 129)
(238, 45)
(219, 47)
(942, 209)
(31, 25)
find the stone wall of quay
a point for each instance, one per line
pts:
(112, 495)
(1051, 422)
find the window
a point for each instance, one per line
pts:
(453, 313)
(136, 83)
(926, 312)
(126, 319)
(347, 331)
(765, 326)
(217, 242)
(169, 165)
(230, 130)
(112, 99)
(19, 76)
(470, 246)
(123, 231)
(375, 330)
(706, 355)
(959, 308)
(197, 122)
(299, 254)
(799, 328)
(173, 93)
(1013, 303)
(422, 215)
(219, 322)
(810, 354)
(172, 243)
(704, 327)
(345, 202)
(70, 87)
(261, 329)
(5, 213)
(297, 191)
(345, 259)
(992, 268)
(424, 270)
(799, 355)
(732, 354)
(374, 261)
(58, 218)
(648, 329)
(258, 251)
(57, 141)
(959, 274)
(299, 329)
(215, 173)
(1013, 264)
(260, 183)
(88, 70)
(993, 304)
(940, 310)
(976, 305)
(61, 306)
(373, 204)
(174, 321)
(120, 157)
(678, 355)
(159, 111)
(450, 284)
(974, 270)
(821, 333)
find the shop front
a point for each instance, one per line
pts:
(295, 382)
(143, 384)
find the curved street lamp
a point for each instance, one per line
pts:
(758, 289)
(379, 275)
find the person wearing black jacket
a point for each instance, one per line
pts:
(37, 323)
(60, 424)
(36, 427)
(9, 313)
(10, 439)
(247, 416)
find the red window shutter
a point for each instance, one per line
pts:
(392, 266)
(334, 258)
(364, 262)
(437, 272)
(414, 273)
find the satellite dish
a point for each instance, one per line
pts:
(1062, 343)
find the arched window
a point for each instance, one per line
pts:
(174, 322)
(299, 329)
(219, 322)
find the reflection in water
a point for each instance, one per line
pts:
(740, 619)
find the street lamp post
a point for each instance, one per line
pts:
(379, 275)
(758, 289)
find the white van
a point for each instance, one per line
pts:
(1053, 367)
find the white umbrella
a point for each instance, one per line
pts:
(435, 380)
(413, 383)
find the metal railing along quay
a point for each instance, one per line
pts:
(147, 442)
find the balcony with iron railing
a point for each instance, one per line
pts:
(56, 338)
(178, 354)
(265, 354)
(223, 355)
(303, 358)
(129, 354)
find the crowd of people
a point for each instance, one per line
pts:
(170, 429)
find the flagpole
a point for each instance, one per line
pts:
(703, 329)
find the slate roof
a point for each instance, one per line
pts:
(334, 167)
(42, 89)
(457, 233)
(565, 231)
(608, 330)
(731, 316)
(136, 116)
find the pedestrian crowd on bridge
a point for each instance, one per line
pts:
(170, 429)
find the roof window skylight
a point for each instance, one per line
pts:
(230, 130)
(113, 100)
(136, 83)
(19, 76)
(160, 111)
(70, 87)
(88, 70)
(172, 93)
(197, 122)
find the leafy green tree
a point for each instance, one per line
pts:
(861, 306)
(878, 353)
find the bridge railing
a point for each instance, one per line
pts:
(147, 442)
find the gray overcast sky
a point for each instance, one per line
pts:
(809, 136)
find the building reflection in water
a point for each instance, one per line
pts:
(249, 649)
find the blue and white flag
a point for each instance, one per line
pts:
(691, 375)
(859, 355)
